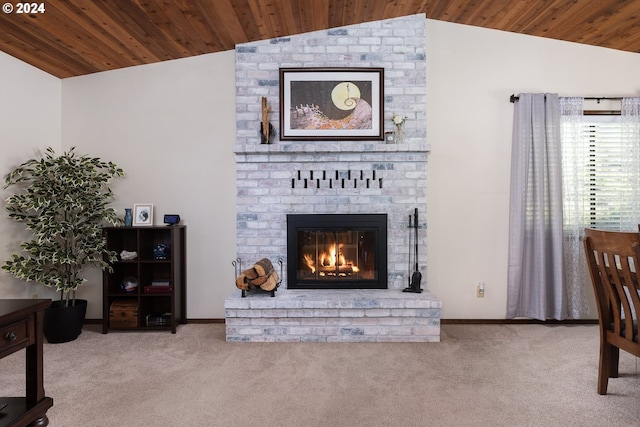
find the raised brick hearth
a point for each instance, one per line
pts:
(334, 316)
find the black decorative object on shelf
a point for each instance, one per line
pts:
(161, 251)
(129, 284)
(157, 319)
(171, 219)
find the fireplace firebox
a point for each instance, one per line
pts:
(337, 251)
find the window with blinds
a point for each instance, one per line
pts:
(607, 183)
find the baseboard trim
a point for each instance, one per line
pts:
(205, 320)
(99, 321)
(518, 322)
(442, 321)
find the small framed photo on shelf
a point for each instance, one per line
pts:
(390, 137)
(142, 214)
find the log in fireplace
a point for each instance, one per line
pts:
(337, 251)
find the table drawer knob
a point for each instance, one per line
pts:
(11, 336)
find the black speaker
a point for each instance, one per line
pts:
(171, 219)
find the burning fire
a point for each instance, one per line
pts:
(331, 263)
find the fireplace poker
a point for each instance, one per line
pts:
(416, 277)
(237, 266)
(409, 266)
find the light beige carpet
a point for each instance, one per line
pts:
(479, 375)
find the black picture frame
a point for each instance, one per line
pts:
(331, 104)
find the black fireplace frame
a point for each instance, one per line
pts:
(337, 222)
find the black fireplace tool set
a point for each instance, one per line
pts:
(416, 277)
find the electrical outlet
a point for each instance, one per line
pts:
(480, 290)
(34, 296)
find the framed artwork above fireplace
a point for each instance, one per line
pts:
(331, 104)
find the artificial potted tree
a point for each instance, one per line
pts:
(64, 201)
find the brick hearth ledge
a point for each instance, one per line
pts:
(360, 315)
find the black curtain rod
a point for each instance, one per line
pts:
(514, 98)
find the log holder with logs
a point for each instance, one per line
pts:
(261, 277)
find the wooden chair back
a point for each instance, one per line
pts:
(613, 259)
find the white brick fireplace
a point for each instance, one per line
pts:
(337, 177)
(276, 179)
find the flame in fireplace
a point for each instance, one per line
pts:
(309, 261)
(331, 263)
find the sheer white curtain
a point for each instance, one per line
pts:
(630, 131)
(575, 153)
(624, 158)
(535, 273)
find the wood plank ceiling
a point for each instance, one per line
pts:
(77, 37)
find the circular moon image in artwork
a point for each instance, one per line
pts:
(344, 95)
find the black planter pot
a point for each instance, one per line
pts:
(64, 324)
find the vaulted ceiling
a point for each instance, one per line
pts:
(75, 37)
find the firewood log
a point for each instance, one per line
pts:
(258, 281)
(263, 267)
(250, 273)
(271, 283)
(241, 282)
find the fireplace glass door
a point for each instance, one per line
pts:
(337, 251)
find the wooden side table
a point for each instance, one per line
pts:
(21, 327)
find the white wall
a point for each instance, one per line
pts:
(171, 126)
(29, 123)
(471, 72)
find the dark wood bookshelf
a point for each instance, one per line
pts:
(143, 310)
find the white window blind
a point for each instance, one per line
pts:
(602, 166)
